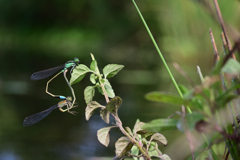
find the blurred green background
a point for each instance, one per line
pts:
(36, 35)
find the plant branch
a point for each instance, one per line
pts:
(216, 55)
(219, 14)
(100, 78)
(119, 124)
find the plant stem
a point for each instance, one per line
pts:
(160, 54)
(100, 78)
(117, 119)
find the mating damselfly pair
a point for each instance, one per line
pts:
(67, 101)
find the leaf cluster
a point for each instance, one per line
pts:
(99, 81)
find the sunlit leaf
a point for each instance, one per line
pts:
(166, 98)
(153, 150)
(189, 121)
(123, 146)
(91, 107)
(108, 88)
(158, 125)
(114, 104)
(159, 138)
(103, 135)
(105, 115)
(111, 70)
(93, 78)
(135, 151)
(89, 93)
(93, 65)
(78, 73)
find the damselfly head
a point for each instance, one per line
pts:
(69, 98)
(76, 60)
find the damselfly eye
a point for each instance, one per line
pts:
(76, 60)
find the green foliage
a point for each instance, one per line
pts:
(78, 73)
(166, 98)
(111, 70)
(208, 100)
(137, 142)
(159, 125)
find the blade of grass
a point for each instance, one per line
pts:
(160, 54)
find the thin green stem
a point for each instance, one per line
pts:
(160, 54)
(100, 78)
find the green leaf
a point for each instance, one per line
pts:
(91, 107)
(89, 93)
(114, 104)
(103, 135)
(189, 121)
(159, 138)
(105, 115)
(227, 96)
(78, 73)
(153, 150)
(166, 98)
(158, 125)
(111, 70)
(93, 78)
(108, 88)
(93, 65)
(225, 100)
(232, 67)
(123, 146)
(135, 151)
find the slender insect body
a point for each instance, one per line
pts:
(66, 100)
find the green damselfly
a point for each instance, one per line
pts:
(31, 120)
(64, 69)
